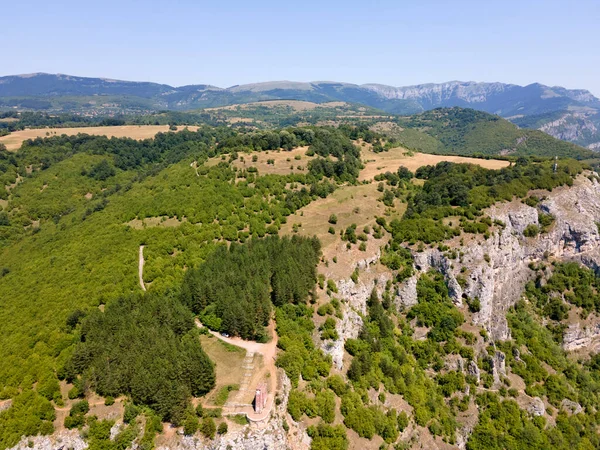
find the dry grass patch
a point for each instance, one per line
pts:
(14, 140)
(150, 222)
(228, 365)
(280, 166)
(391, 160)
(351, 204)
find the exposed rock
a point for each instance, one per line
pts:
(5, 404)
(517, 354)
(497, 268)
(576, 337)
(66, 439)
(455, 362)
(571, 406)
(347, 328)
(116, 429)
(536, 407)
(365, 263)
(354, 298)
(498, 366)
(406, 294)
(474, 371)
(357, 294)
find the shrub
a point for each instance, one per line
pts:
(222, 429)
(208, 427)
(333, 219)
(531, 230)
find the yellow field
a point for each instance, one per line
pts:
(14, 140)
(391, 160)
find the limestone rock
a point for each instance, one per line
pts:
(571, 406)
(498, 366)
(66, 439)
(474, 371)
(576, 337)
(536, 407)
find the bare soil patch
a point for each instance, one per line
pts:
(14, 140)
(391, 160)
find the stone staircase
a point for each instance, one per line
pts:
(248, 368)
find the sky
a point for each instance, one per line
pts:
(225, 43)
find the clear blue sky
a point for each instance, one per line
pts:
(235, 42)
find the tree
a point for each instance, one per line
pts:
(190, 425)
(208, 427)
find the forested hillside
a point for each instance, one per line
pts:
(70, 244)
(467, 132)
(112, 250)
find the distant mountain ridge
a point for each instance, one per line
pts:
(66, 92)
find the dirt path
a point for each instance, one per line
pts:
(141, 268)
(268, 371)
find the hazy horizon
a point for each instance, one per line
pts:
(384, 42)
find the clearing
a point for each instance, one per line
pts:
(391, 160)
(244, 368)
(351, 204)
(280, 164)
(14, 140)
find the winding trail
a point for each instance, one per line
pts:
(141, 268)
(268, 372)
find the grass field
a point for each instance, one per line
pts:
(228, 365)
(351, 204)
(391, 160)
(280, 166)
(14, 140)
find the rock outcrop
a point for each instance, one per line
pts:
(61, 440)
(354, 298)
(496, 269)
(577, 337)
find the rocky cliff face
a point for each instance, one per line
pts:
(580, 127)
(439, 94)
(497, 269)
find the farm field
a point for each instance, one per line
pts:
(14, 140)
(391, 160)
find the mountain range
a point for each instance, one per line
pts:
(568, 114)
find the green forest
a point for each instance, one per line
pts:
(74, 212)
(77, 211)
